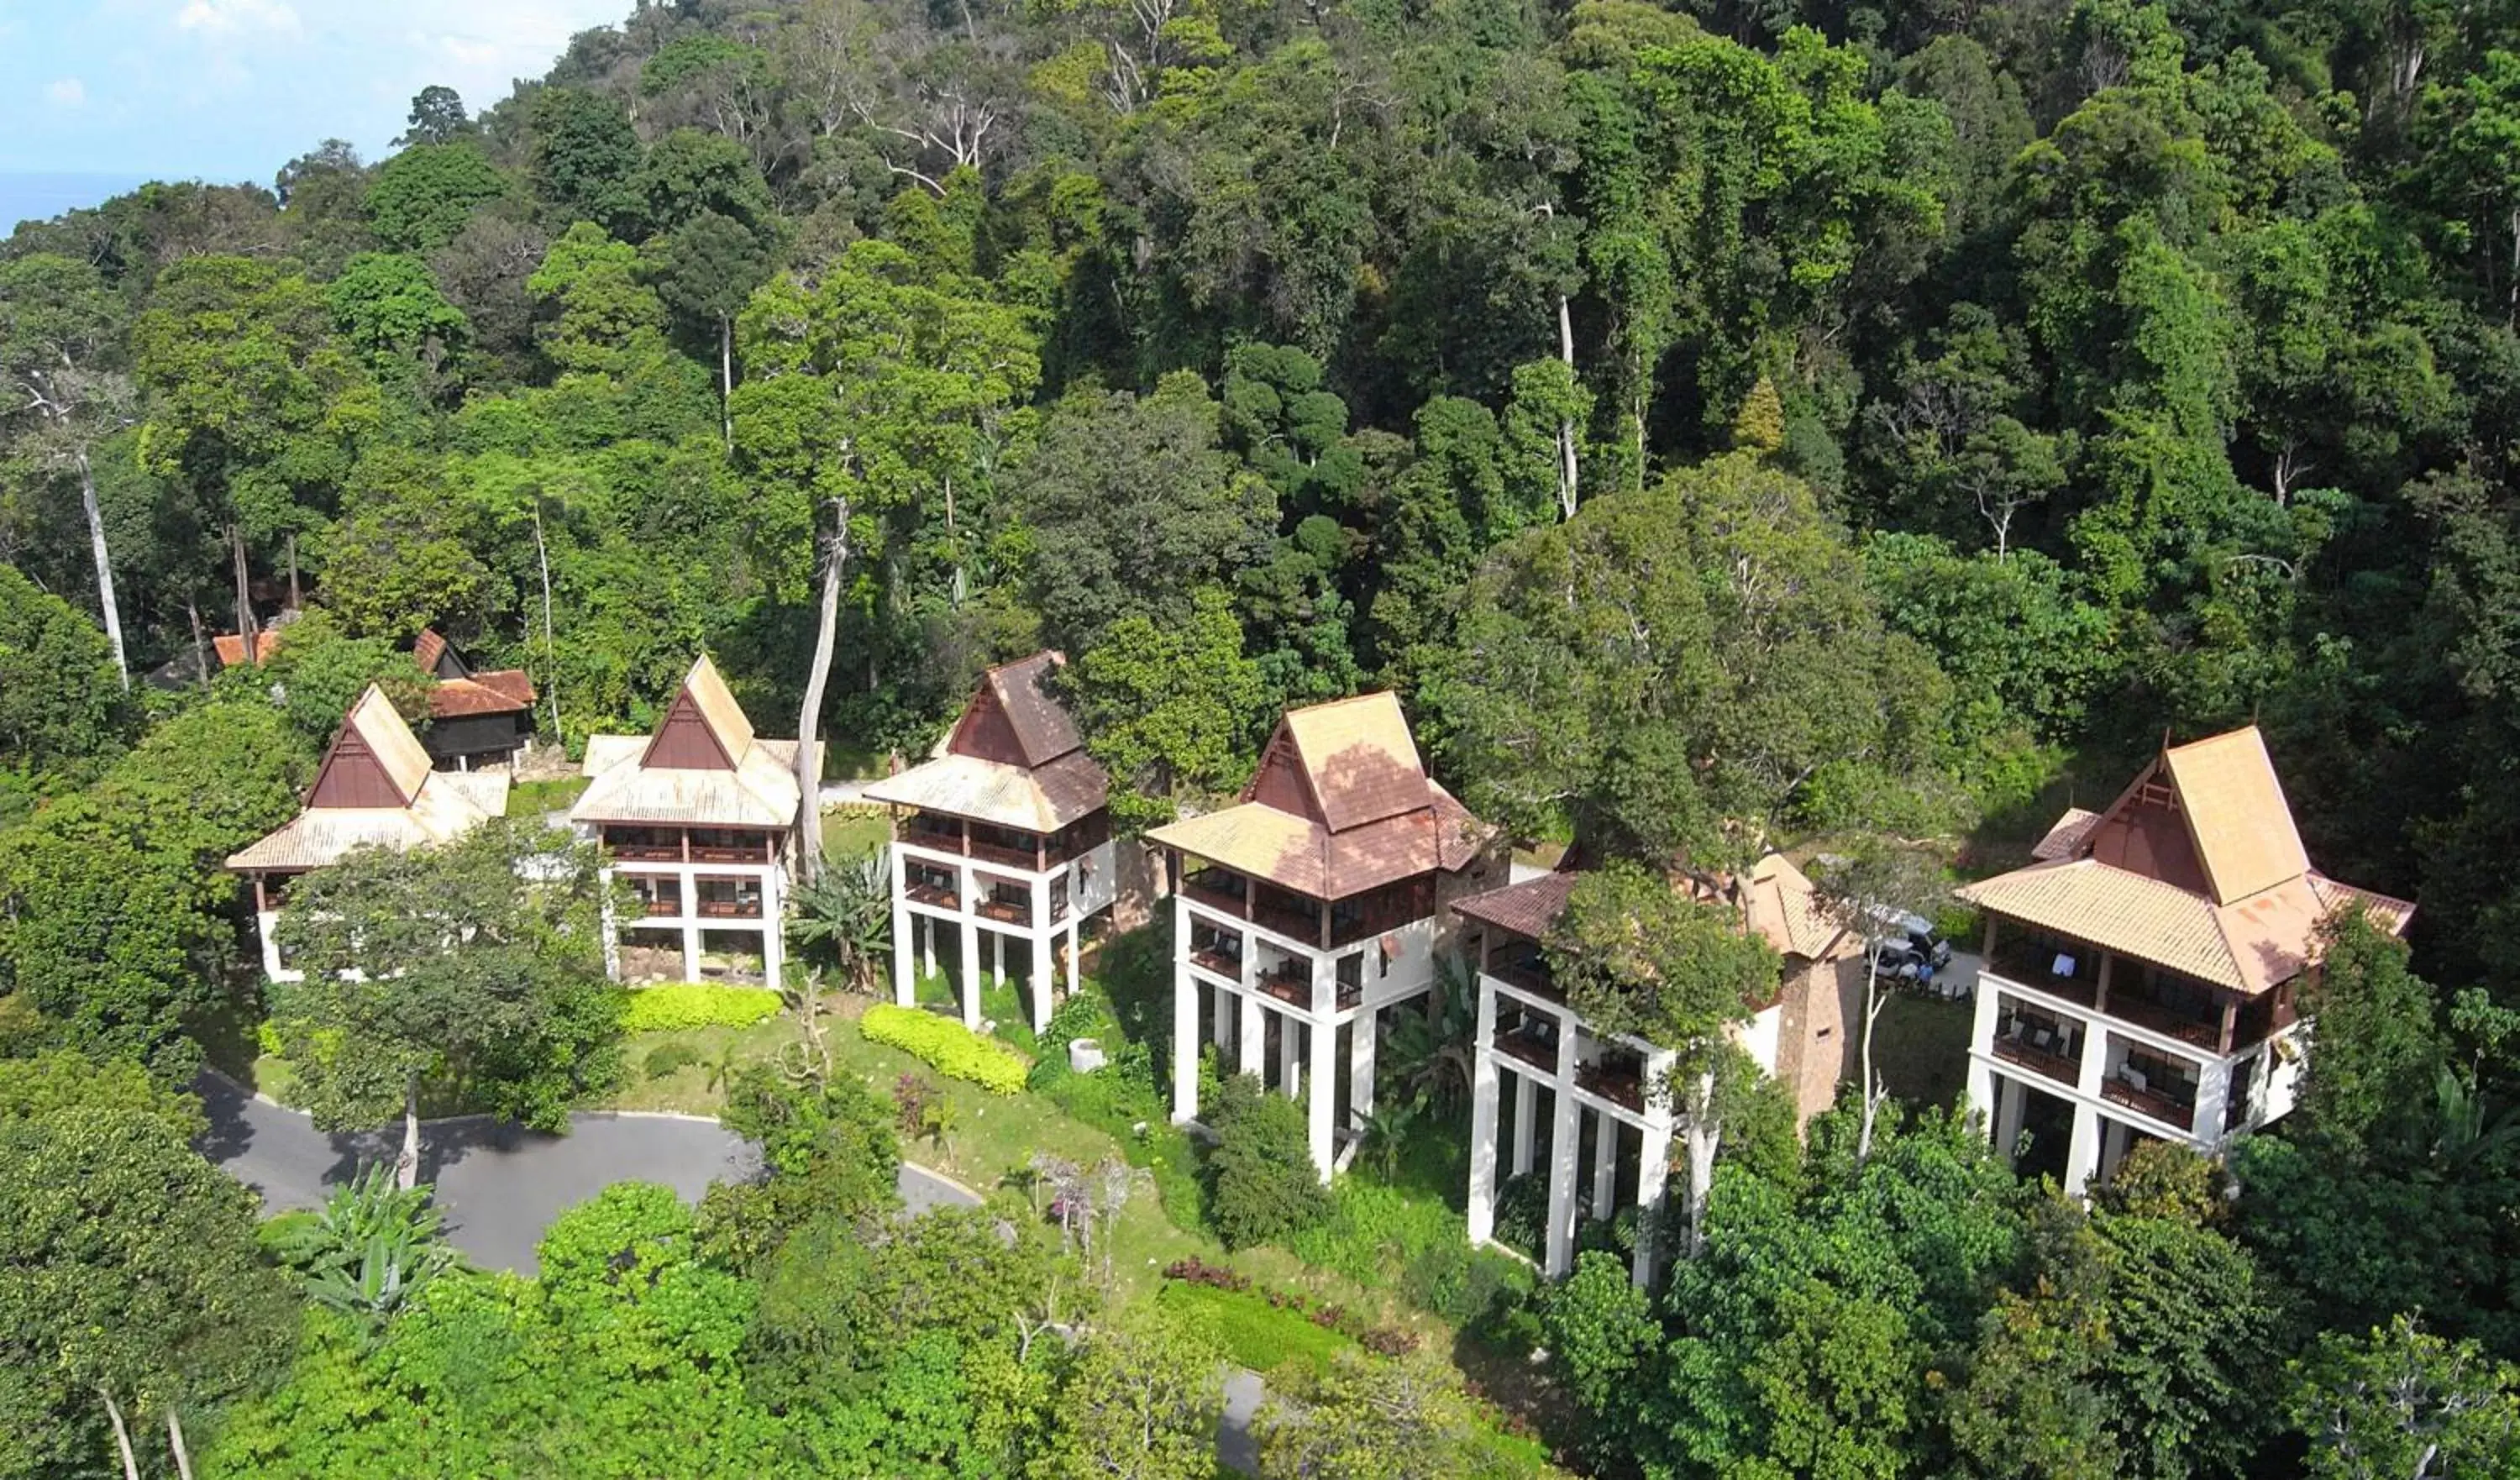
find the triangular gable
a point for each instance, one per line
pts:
(2144, 832)
(1281, 783)
(705, 729)
(1361, 758)
(439, 655)
(374, 762)
(2238, 818)
(985, 733)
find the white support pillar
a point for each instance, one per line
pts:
(1075, 960)
(927, 942)
(1483, 1121)
(1320, 1031)
(1185, 1018)
(1250, 1033)
(1360, 1060)
(2082, 1150)
(904, 978)
(1606, 1164)
(997, 958)
(690, 944)
(1565, 1140)
(2012, 1099)
(1290, 1055)
(1525, 1107)
(970, 964)
(1041, 948)
(269, 921)
(1222, 1029)
(1982, 1083)
(1653, 1180)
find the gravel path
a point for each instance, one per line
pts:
(499, 1184)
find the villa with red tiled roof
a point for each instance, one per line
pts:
(1583, 1099)
(375, 789)
(476, 717)
(1004, 839)
(2140, 974)
(1311, 911)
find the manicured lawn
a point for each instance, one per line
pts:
(848, 834)
(1251, 1331)
(534, 798)
(1920, 1046)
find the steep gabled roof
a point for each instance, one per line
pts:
(376, 789)
(1015, 718)
(1340, 804)
(2196, 866)
(701, 767)
(1015, 758)
(703, 728)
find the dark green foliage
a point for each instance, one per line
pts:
(1261, 1182)
(59, 701)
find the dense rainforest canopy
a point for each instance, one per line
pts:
(1725, 423)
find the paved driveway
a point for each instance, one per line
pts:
(499, 1184)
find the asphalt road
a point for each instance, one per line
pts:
(499, 1184)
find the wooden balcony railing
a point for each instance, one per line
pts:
(1296, 924)
(1000, 853)
(942, 896)
(720, 853)
(2055, 1066)
(1531, 977)
(1619, 1085)
(1004, 911)
(2152, 1102)
(1215, 894)
(730, 908)
(2145, 1012)
(1288, 981)
(662, 904)
(648, 853)
(1219, 963)
(1531, 1048)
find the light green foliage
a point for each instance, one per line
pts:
(832, 1153)
(320, 672)
(1246, 1330)
(2402, 1401)
(385, 306)
(842, 917)
(696, 1004)
(947, 1046)
(1261, 1182)
(1139, 1402)
(370, 1250)
(1170, 709)
(1678, 672)
(64, 1080)
(1368, 1420)
(1413, 1245)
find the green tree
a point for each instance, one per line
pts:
(479, 962)
(437, 116)
(423, 197)
(581, 156)
(132, 1290)
(60, 700)
(1262, 1185)
(385, 306)
(1170, 709)
(1364, 1419)
(2402, 1401)
(62, 354)
(1138, 1402)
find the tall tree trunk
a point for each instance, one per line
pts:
(175, 1438)
(244, 595)
(1698, 1139)
(551, 648)
(407, 1165)
(827, 635)
(296, 598)
(726, 375)
(200, 640)
(112, 609)
(1871, 1015)
(1566, 425)
(954, 543)
(121, 1434)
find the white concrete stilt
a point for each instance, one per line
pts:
(905, 980)
(1526, 1133)
(1606, 1164)
(1185, 1023)
(1359, 1061)
(1483, 1124)
(969, 967)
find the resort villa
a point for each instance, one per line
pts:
(1313, 908)
(2141, 975)
(1583, 1113)
(375, 789)
(700, 817)
(1004, 841)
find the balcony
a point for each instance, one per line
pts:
(1027, 858)
(933, 887)
(1290, 981)
(1295, 924)
(2187, 1027)
(730, 908)
(2165, 1109)
(726, 853)
(661, 904)
(1531, 1042)
(921, 833)
(1005, 908)
(647, 852)
(1618, 1082)
(1526, 972)
(2032, 963)
(2043, 1062)
(1215, 890)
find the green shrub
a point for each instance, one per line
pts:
(1118, 1099)
(1522, 1214)
(667, 1058)
(696, 1004)
(1251, 1331)
(1261, 1182)
(947, 1047)
(1386, 1239)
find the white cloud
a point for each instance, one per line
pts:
(226, 17)
(68, 92)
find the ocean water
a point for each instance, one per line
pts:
(39, 197)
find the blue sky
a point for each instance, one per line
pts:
(230, 90)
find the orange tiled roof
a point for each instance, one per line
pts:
(230, 646)
(505, 691)
(2196, 866)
